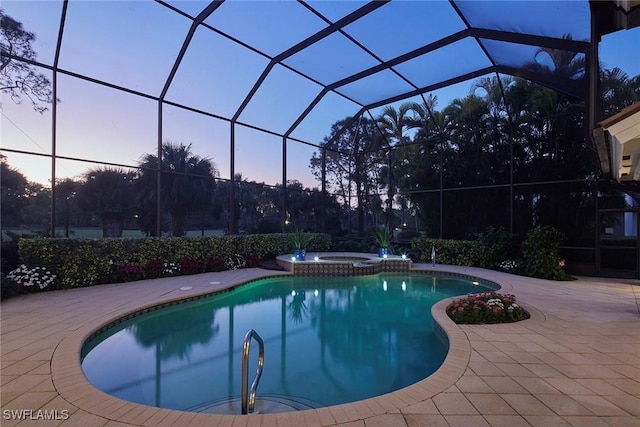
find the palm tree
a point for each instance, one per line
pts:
(187, 184)
(108, 194)
(393, 124)
(618, 90)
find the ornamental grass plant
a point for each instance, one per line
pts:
(486, 307)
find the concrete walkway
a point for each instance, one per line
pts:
(575, 362)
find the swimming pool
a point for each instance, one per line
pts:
(327, 341)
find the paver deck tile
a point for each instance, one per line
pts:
(504, 385)
(526, 404)
(575, 362)
(415, 420)
(473, 384)
(466, 420)
(454, 404)
(386, 420)
(506, 421)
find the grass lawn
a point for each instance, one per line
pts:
(95, 232)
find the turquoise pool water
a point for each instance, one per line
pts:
(328, 340)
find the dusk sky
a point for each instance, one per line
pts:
(134, 44)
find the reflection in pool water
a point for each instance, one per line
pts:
(327, 341)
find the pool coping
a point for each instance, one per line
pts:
(72, 385)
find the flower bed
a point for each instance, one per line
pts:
(486, 307)
(87, 262)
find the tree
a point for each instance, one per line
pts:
(394, 123)
(418, 164)
(562, 63)
(18, 78)
(23, 203)
(66, 202)
(256, 204)
(352, 162)
(13, 194)
(618, 90)
(108, 194)
(302, 207)
(36, 214)
(187, 185)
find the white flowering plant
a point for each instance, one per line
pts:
(509, 265)
(171, 269)
(486, 307)
(235, 262)
(34, 278)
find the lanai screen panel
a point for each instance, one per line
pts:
(207, 136)
(37, 17)
(462, 57)
(95, 122)
(279, 100)
(215, 74)
(541, 18)
(325, 62)
(317, 124)
(403, 26)
(133, 46)
(270, 27)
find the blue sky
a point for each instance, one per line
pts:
(102, 124)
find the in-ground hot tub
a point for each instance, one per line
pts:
(343, 264)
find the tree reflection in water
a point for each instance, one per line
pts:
(298, 307)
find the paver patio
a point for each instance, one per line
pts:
(575, 362)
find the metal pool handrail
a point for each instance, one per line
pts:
(249, 398)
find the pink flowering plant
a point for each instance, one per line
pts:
(486, 307)
(132, 272)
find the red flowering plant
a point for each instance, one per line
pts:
(214, 264)
(486, 307)
(190, 266)
(154, 268)
(132, 272)
(252, 260)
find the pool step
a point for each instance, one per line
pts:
(265, 404)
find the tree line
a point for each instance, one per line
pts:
(192, 197)
(510, 145)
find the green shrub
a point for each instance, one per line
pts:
(9, 288)
(496, 249)
(452, 252)
(497, 245)
(353, 242)
(540, 254)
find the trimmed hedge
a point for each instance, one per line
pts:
(497, 249)
(452, 252)
(87, 262)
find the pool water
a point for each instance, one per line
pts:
(328, 340)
